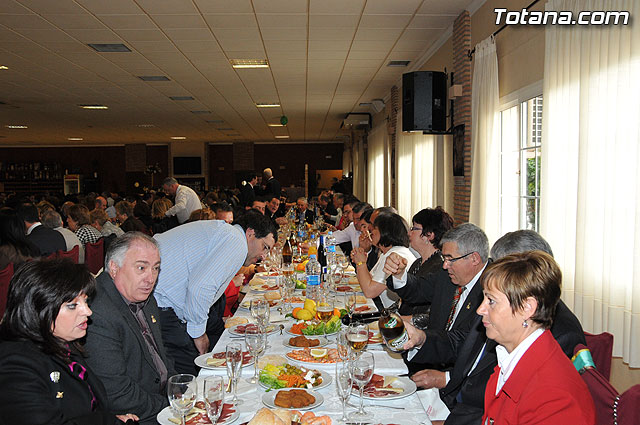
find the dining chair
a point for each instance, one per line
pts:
(73, 254)
(605, 396)
(5, 277)
(601, 347)
(628, 411)
(94, 255)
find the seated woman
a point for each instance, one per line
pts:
(14, 246)
(44, 377)
(534, 382)
(162, 223)
(389, 234)
(79, 223)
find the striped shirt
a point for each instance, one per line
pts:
(199, 259)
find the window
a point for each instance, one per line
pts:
(521, 144)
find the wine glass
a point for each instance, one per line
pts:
(344, 383)
(342, 343)
(234, 357)
(255, 340)
(343, 262)
(361, 369)
(260, 311)
(358, 336)
(213, 397)
(182, 392)
(350, 302)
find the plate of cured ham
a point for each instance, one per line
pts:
(387, 388)
(218, 360)
(198, 415)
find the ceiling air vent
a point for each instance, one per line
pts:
(153, 78)
(181, 97)
(109, 48)
(399, 63)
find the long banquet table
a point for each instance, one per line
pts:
(408, 410)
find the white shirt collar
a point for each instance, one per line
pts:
(33, 226)
(508, 361)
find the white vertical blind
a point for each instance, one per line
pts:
(590, 181)
(378, 173)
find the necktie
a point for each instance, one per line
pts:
(454, 304)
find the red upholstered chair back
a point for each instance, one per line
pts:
(629, 406)
(605, 397)
(601, 347)
(73, 254)
(94, 255)
(52, 256)
(5, 277)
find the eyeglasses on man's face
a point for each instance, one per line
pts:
(415, 228)
(451, 260)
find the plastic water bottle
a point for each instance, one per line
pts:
(330, 248)
(312, 272)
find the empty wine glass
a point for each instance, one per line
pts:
(361, 369)
(234, 357)
(343, 262)
(260, 311)
(182, 392)
(342, 343)
(350, 304)
(255, 340)
(344, 383)
(358, 336)
(213, 397)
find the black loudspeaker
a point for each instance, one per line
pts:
(424, 100)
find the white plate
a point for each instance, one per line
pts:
(269, 398)
(326, 380)
(310, 364)
(164, 415)
(288, 330)
(201, 361)
(246, 304)
(403, 382)
(232, 330)
(323, 341)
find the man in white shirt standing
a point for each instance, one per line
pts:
(186, 200)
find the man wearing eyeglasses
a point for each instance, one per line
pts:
(453, 293)
(199, 259)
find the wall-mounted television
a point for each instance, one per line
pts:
(187, 165)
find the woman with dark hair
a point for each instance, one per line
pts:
(389, 234)
(425, 234)
(43, 375)
(14, 246)
(534, 381)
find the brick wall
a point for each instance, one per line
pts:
(462, 112)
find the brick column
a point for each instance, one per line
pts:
(462, 112)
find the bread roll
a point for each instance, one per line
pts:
(361, 299)
(353, 281)
(232, 321)
(265, 416)
(272, 295)
(284, 414)
(256, 281)
(274, 359)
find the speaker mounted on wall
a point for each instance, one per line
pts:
(424, 101)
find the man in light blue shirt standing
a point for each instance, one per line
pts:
(199, 259)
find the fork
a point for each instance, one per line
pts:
(375, 405)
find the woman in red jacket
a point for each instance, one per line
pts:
(534, 381)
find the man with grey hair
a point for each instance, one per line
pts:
(124, 340)
(186, 199)
(519, 241)
(271, 185)
(454, 294)
(52, 220)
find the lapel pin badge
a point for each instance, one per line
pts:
(55, 376)
(469, 306)
(60, 394)
(153, 319)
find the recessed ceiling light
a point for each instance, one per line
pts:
(75, 139)
(200, 112)
(399, 63)
(109, 48)
(282, 137)
(181, 97)
(14, 126)
(145, 125)
(249, 63)
(215, 121)
(267, 105)
(365, 104)
(178, 138)
(4, 67)
(275, 125)
(93, 106)
(153, 78)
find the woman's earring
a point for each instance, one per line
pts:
(525, 324)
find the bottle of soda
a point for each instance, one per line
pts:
(392, 330)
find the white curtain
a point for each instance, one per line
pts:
(590, 180)
(484, 209)
(359, 168)
(424, 172)
(378, 181)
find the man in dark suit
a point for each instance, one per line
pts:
(45, 238)
(454, 294)
(271, 185)
(304, 213)
(463, 391)
(124, 341)
(247, 191)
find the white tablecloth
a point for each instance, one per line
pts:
(386, 363)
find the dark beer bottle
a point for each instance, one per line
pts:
(392, 330)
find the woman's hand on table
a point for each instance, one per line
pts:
(416, 336)
(124, 418)
(429, 378)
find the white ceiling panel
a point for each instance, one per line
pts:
(325, 57)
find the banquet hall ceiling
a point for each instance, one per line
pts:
(325, 56)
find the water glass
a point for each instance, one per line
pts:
(182, 391)
(213, 397)
(234, 358)
(255, 339)
(361, 369)
(342, 343)
(350, 304)
(344, 383)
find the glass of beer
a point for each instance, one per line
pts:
(358, 337)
